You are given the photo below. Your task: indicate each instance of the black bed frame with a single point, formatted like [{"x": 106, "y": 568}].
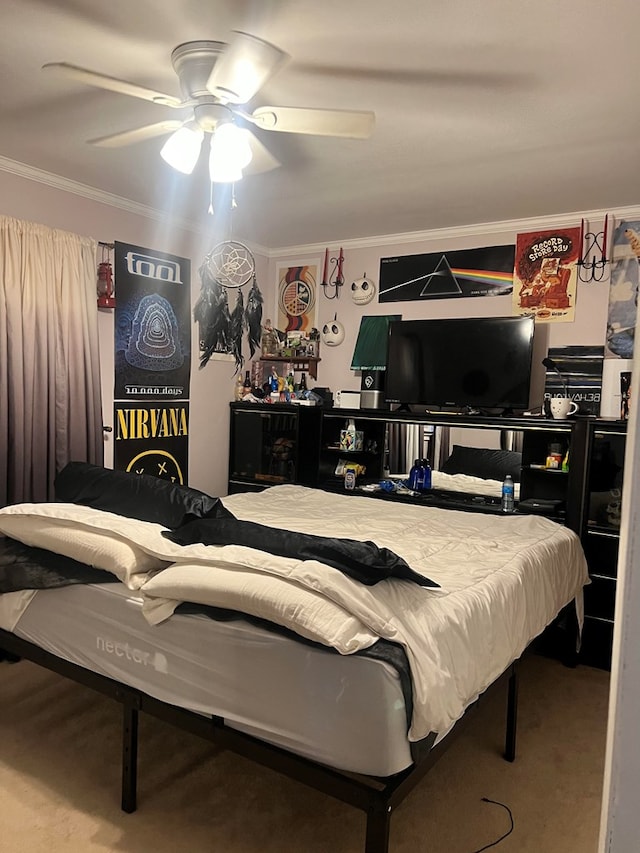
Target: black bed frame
[{"x": 376, "y": 796}]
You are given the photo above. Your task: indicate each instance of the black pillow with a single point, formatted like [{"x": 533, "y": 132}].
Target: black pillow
[
  {"x": 482, "y": 462},
  {"x": 139, "y": 496},
  {"x": 362, "y": 561}
]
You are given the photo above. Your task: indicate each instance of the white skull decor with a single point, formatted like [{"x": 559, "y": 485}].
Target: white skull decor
[
  {"x": 333, "y": 333},
  {"x": 363, "y": 290}
]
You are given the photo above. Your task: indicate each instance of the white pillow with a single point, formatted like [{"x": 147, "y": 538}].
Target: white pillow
[
  {"x": 270, "y": 597},
  {"x": 99, "y": 548}
]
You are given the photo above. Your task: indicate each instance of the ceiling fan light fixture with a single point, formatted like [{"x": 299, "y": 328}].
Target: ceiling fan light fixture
[
  {"x": 182, "y": 148},
  {"x": 230, "y": 153},
  {"x": 243, "y": 68}
]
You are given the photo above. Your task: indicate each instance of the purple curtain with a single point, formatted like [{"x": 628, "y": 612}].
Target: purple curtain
[{"x": 50, "y": 407}]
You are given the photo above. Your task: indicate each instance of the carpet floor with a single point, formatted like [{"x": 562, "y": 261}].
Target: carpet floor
[{"x": 60, "y": 778}]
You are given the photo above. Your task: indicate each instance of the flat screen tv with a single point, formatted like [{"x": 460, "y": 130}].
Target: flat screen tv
[{"x": 460, "y": 364}]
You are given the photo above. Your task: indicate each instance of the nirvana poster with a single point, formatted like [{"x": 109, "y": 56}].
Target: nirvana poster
[
  {"x": 152, "y": 438},
  {"x": 465, "y": 272},
  {"x": 152, "y": 362},
  {"x": 152, "y": 324},
  {"x": 545, "y": 275}
]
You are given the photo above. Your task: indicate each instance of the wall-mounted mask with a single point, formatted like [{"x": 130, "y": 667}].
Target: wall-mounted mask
[
  {"x": 363, "y": 290},
  {"x": 333, "y": 333}
]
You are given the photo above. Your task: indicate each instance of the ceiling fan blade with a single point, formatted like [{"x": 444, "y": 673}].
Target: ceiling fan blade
[
  {"x": 262, "y": 160},
  {"x": 352, "y": 124},
  {"x": 243, "y": 68},
  {"x": 139, "y": 134},
  {"x": 112, "y": 84}
]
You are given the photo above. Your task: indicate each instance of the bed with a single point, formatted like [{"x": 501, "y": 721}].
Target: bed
[{"x": 339, "y": 639}]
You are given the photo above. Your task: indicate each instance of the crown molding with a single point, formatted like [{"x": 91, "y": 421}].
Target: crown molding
[
  {"x": 509, "y": 226},
  {"x": 58, "y": 182}
]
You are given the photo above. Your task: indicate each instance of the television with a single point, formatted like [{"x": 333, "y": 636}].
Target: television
[{"x": 460, "y": 364}]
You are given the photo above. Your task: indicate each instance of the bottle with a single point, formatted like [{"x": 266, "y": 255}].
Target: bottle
[
  {"x": 238, "y": 392},
  {"x": 247, "y": 388},
  {"x": 426, "y": 484},
  {"x": 303, "y": 383},
  {"x": 269, "y": 340},
  {"x": 416, "y": 476},
  {"x": 508, "y": 500}
]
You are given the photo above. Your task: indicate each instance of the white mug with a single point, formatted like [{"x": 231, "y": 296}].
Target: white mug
[{"x": 562, "y": 407}]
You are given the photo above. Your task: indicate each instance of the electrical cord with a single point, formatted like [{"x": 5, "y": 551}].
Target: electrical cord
[{"x": 502, "y": 837}]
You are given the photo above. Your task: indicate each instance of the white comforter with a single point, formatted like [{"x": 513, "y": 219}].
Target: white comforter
[{"x": 503, "y": 580}]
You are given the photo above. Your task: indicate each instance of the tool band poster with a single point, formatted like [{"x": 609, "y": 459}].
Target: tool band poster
[
  {"x": 545, "y": 275},
  {"x": 464, "y": 272},
  {"x": 152, "y": 324},
  {"x": 152, "y": 331}
]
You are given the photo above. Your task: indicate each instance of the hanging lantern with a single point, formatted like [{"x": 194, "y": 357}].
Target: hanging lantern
[{"x": 106, "y": 299}]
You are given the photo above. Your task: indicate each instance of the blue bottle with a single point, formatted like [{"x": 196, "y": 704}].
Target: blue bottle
[
  {"x": 416, "y": 476},
  {"x": 426, "y": 483}
]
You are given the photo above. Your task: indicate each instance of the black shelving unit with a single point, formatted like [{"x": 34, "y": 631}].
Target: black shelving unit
[
  {"x": 605, "y": 445},
  {"x": 271, "y": 444}
]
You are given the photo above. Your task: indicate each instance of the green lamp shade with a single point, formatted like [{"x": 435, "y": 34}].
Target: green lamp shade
[{"x": 370, "y": 352}]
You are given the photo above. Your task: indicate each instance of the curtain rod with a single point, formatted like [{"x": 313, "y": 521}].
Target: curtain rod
[{"x": 106, "y": 245}]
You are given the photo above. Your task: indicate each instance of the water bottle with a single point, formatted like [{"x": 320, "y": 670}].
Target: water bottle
[
  {"x": 508, "y": 501},
  {"x": 426, "y": 484},
  {"x": 416, "y": 476}
]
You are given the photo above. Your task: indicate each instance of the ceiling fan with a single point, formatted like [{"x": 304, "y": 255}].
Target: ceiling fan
[{"x": 217, "y": 80}]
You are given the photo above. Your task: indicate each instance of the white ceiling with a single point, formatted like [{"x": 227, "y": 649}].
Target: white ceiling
[{"x": 485, "y": 111}]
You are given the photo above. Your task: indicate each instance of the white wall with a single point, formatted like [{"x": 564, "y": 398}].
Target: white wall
[
  {"x": 334, "y": 371},
  {"x": 51, "y": 203},
  {"x": 211, "y": 387}
]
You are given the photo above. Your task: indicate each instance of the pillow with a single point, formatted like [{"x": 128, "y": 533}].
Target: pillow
[
  {"x": 482, "y": 462},
  {"x": 98, "y": 548},
  {"x": 139, "y": 496},
  {"x": 363, "y": 561}
]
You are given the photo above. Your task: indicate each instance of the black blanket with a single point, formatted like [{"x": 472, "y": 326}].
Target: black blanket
[
  {"x": 362, "y": 561},
  {"x": 25, "y": 567}
]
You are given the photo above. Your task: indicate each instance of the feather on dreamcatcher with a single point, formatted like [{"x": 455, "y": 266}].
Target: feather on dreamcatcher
[{"x": 228, "y": 265}]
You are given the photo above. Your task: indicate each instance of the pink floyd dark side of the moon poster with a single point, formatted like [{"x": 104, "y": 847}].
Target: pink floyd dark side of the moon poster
[{"x": 447, "y": 275}]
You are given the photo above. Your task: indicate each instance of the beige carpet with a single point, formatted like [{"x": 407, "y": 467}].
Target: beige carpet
[{"x": 60, "y": 778}]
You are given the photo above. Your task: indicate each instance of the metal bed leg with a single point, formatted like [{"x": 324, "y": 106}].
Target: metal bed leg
[
  {"x": 378, "y": 827},
  {"x": 129, "y": 757},
  {"x": 512, "y": 716}
]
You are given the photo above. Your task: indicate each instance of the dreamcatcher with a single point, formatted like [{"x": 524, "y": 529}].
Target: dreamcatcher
[{"x": 229, "y": 265}]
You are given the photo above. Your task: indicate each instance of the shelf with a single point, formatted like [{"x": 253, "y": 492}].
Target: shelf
[
  {"x": 308, "y": 365},
  {"x": 610, "y": 530}
]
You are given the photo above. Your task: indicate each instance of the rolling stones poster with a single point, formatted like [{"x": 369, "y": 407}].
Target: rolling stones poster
[
  {"x": 545, "y": 275},
  {"x": 152, "y": 362},
  {"x": 464, "y": 272},
  {"x": 623, "y": 290}
]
